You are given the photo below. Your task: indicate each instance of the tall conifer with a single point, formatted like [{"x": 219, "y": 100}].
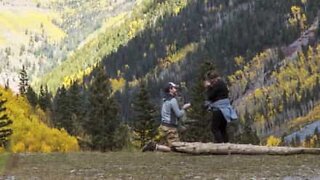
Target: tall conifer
[
  {"x": 61, "y": 110},
  {"x": 32, "y": 96},
  {"x": 5, "y": 131},
  {"x": 200, "y": 118},
  {"x": 144, "y": 120},
  {"x": 102, "y": 121},
  {"x": 45, "y": 98},
  {"x": 23, "y": 84}
]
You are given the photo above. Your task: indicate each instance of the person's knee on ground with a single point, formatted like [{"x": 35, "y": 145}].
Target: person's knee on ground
[{"x": 163, "y": 148}]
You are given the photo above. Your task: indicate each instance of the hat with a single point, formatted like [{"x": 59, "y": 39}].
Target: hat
[{"x": 169, "y": 86}]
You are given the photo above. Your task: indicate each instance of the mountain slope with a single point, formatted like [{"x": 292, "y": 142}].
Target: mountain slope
[
  {"x": 122, "y": 29},
  {"x": 41, "y": 34},
  {"x": 253, "y": 43},
  {"x": 272, "y": 91},
  {"x": 243, "y": 31}
]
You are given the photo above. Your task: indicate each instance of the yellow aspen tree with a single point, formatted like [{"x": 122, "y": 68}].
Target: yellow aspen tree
[
  {"x": 239, "y": 60},
  {"x": 298, "y": 18},
  {"x": 273, "y": 141}
]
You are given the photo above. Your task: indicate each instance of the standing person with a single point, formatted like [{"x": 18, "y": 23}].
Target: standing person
[
  {"x": 219, "y": 104},
  {"x": 170, "y": 115}
]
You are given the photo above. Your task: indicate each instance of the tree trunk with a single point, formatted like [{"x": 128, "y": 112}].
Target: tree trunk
[{"x": 227, "y": 148}]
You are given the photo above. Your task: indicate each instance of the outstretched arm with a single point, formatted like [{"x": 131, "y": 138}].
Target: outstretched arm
[{"x": 175, "y": 107}]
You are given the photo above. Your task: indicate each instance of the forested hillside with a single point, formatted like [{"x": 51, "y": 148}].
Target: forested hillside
[
  {"x": 40, "y": 35},
  {"x": 259, "y": 47},
  {"x": 203, "y": 31},
  {"x": 107, "y": 92},
  {"x": 119, "y": 32}
]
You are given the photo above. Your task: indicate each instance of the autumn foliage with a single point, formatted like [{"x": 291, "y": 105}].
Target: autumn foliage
[{"x": 30, "y": 133}]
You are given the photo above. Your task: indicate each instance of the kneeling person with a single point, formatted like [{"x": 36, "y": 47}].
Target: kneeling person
[{"x": 170, "y": 114}]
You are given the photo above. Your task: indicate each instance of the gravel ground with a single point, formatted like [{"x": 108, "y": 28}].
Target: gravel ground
[{"x": 156, "y": 165}]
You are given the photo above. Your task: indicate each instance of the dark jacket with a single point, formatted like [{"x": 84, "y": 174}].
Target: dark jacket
[
  {"x": 217, "y": 98},
  {"x": 217, "y": 91}
]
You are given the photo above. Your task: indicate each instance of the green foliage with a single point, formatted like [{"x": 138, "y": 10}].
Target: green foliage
[
  {"x": 45, "y": 98},
  {"x": 144, "y": 120},
  {"x": 107, "y": 43},
  {"x": 199, "y": 128},
  {"x": 23, "y": 84},
  {"x": 69, "y": 110},
  {"x": 61, "y": 117},
  {"x": 32, "y": 96},
  {"x": 5, "y": 129},
  {"x": 140, "y": 44},
  {"x": 248, "y": 134},
  {"x": 102, "y": 120},
  {"x": 122, "y": 138}
]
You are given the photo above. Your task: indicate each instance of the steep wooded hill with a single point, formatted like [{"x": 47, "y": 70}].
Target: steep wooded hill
[
  {"x": 203, "y": 31},
  {"x": 41, "y": 34},
  {"x": 121, "y": 29},
  {"x": 260, "y": 47}
]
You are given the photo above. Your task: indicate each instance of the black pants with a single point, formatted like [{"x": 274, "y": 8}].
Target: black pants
[{"x": 219, "y": 127}]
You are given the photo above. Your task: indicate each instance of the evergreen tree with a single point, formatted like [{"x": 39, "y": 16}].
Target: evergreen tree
[
  {"x": 77, "y": 108},
  {"x": 144, "y": 121},
  {"x": 297, "y": 140},
  {"x": 23, "y": 84},
  {"x": 5, "y": 131},
  {"x": 68, "y": 109},
  {"x": 248, "y": 136},
  {"x": 45, "y": 98},
  {"x": 61, "y": 111},
  {"x": 316, "y": 132},
  {"x": 102, "y": 120},
  {"x": 32, "y": 96},
  {"x": 122, "y": 137},
  {"x": 6, "y": 85},
  {"x": 200, "y": 119}
]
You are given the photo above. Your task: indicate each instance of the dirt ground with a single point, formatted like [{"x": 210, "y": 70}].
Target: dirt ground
[{"x": 156, "y": 165}]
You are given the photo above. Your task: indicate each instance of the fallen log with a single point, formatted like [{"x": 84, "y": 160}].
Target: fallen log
[{"x": 247, "y": 149}]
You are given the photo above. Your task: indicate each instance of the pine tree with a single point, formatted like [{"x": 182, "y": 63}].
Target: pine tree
[
  {"x": 23, "y": 84},
  {"x": 199, "y": 129},
  {"x": 69, "y": 109},
  {"x": 102, "y": 120},
  {"x": 297, "y": 140},
  {"x": 6, "y": 85},
  {"x": 248, "y": 136},
  {"x": 144, "y": 121},
  {"x": 77, "y": 108},
  {"x": 5, "y": 131},
  {"x": 122, "y": 137},
  {"x": 61, "y": 111},
  {"x": 45, "y": 98},
  {"x": 32, "y": 96}
]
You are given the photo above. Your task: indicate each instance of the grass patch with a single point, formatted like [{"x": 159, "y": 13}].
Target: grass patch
[
  {"x": 156, "y": 165},
  {"x": 4, "y": 156}
]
